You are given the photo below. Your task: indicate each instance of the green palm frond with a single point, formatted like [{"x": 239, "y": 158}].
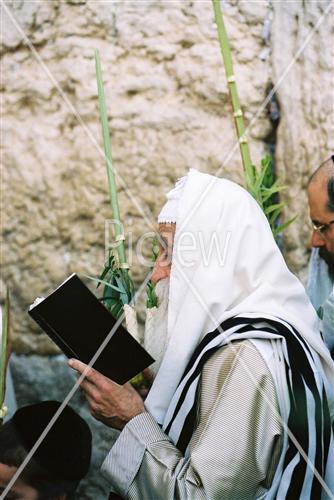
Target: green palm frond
[
  {"x": 118, "y": 289},
  {"x": 118, "y": 286},
  {"x": 266, "y": 192},
  {"x": 152, "y": 299},
  {"x": 259, "y": 182}
]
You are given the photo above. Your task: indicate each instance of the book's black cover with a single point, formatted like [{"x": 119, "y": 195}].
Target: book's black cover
[{"x": 78, "y": 323}]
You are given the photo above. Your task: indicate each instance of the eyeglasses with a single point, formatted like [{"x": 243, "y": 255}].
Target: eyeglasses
[{"x": 322, "y": 228}]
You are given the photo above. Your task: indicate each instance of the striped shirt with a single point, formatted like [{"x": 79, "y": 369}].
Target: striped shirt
[{"x": 233, "y": 451}]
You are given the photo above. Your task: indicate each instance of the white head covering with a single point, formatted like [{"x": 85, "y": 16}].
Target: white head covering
[
  {"x": 319, "y": 283},
  {"x": 170, "y": 210},
  {"x": 245, "y": 274},
  {"x": 320, "y": 289}
]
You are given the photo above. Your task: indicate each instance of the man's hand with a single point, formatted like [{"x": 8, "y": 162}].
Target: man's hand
[{"x": 112, "y": 404}]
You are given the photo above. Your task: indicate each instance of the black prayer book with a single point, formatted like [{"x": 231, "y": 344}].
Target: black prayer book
[{"x": 74, "y": 318}]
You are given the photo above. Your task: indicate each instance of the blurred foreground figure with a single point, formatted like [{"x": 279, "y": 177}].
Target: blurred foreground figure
[
  {"x": 242, "y": 400},
  {"x": 321, "y": 270},
  {"x": 60, "y": 462}
]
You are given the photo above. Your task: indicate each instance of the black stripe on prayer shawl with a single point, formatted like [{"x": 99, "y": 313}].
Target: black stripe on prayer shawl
[
  {"x": 326, "y": 434},
  {"x": 226, "y": 325},
  {"x": 301, "y": 376},
  {"x": 204, "y": 342},
  {"x": 252, "y": 321},
  {"x": 197, "y": 352},
  {"x": 298, "y": 419},
  {"x": 187, "y": 430},
  {"x": 189, "y": 422},
  {"x": 206, "y": 356},
  {"x": 327, "y": 424},
  {"x": 230, "y": 323},
  {"x": 298, "y": 423},
  {"x": 319, "y": 455}
]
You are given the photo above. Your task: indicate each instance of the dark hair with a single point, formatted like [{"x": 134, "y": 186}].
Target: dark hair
[
  {"x": 330, "y": 191},
  {"x": 63, "y": 456},
  {"x": 12, "y": 453}
]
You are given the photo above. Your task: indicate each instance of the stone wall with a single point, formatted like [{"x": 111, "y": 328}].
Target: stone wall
[
  {"x": 168, "y": 110},
  {"x": 302, "y": 36}
]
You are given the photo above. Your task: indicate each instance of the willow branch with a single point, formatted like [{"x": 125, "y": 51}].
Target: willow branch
[
  {"x": 4, "y": 342},
  {"x": 232, "y": 86},
  {"x": 111, "y": 174}
]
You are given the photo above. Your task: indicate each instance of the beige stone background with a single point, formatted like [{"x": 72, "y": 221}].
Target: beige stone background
[{"x": 168, "y": 110}]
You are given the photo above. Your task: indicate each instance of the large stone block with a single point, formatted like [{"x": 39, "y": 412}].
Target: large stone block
[{"x": 168, "y": 110}]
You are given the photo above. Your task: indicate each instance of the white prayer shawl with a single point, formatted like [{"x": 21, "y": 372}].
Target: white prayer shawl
[
  {"x": 320, "y": 289},
  {"x": 245, "y": 276},
  {"x": 319, "y": 283},
  {"x": 308, "y": 444}
]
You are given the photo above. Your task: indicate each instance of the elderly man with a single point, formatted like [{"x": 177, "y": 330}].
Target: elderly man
[
  {"x": 321, "y": 271},
  {"x": 241, "y": 404}
]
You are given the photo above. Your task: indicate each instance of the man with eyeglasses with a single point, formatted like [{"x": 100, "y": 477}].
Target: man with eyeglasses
[{"x": 320, "y": 286}]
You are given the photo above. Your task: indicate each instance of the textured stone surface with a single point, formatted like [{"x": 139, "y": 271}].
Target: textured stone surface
[
  {"x": 302, "y": 35},
  {"x": 168, "y": 110}
]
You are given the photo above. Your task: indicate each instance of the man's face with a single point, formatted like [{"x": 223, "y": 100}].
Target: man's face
[
  {"x": 156, "y": 326},
  {"x": 163, "y": 263},
  {"x": 20, "y": 490},
  {"x": 319, "y": 213}
]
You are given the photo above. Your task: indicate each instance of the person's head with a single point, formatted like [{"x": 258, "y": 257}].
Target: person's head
[
  {"x": 156, "y": 328},
  {"x": 225, "y": 264},
  {"x": 60, "y": 462},
  {"x": 156, "y": 337},
  {"x": 320, "y": 192}
]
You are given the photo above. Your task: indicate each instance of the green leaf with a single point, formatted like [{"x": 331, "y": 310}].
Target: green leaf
[
  {"x": 120, "y": 285},
  {"x": 282, "y": 227},
  {"x": 103, "y": 282},
  {"x": 124, "y": 298},
  {"x": 111, "y": 274},
  {"x": 117, "y": 309},
  {"x": 152, "y": 299},
  {"x": 260, "y": 176},
  {"x": 273, "y": 218},
  {"x": 275, "y": 206},
  {"x": 103, "y": 274}
]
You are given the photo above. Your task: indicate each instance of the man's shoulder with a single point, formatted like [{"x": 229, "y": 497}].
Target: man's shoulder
[
  {"x": 243, "y": 349},
  {"x": 238, "y": 372},
  {"x": 239, "y": 359}
]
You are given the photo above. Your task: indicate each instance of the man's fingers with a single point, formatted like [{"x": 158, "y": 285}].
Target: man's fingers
[
  {"x": 88, "y": 388},
  {"x": 91, "y": 374},
  {"x": 84, "y": 369}
]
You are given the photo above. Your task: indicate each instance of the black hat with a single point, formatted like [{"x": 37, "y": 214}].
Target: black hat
[{"x": 65, "y": 451}]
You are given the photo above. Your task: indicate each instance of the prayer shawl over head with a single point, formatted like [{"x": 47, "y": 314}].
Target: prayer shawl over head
[
  {"x": 320, "y": 289},
  {"x": 227, "y": 270}
]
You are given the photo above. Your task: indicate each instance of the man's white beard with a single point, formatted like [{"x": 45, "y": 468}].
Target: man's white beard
[{"x": 156, "y": 326}]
